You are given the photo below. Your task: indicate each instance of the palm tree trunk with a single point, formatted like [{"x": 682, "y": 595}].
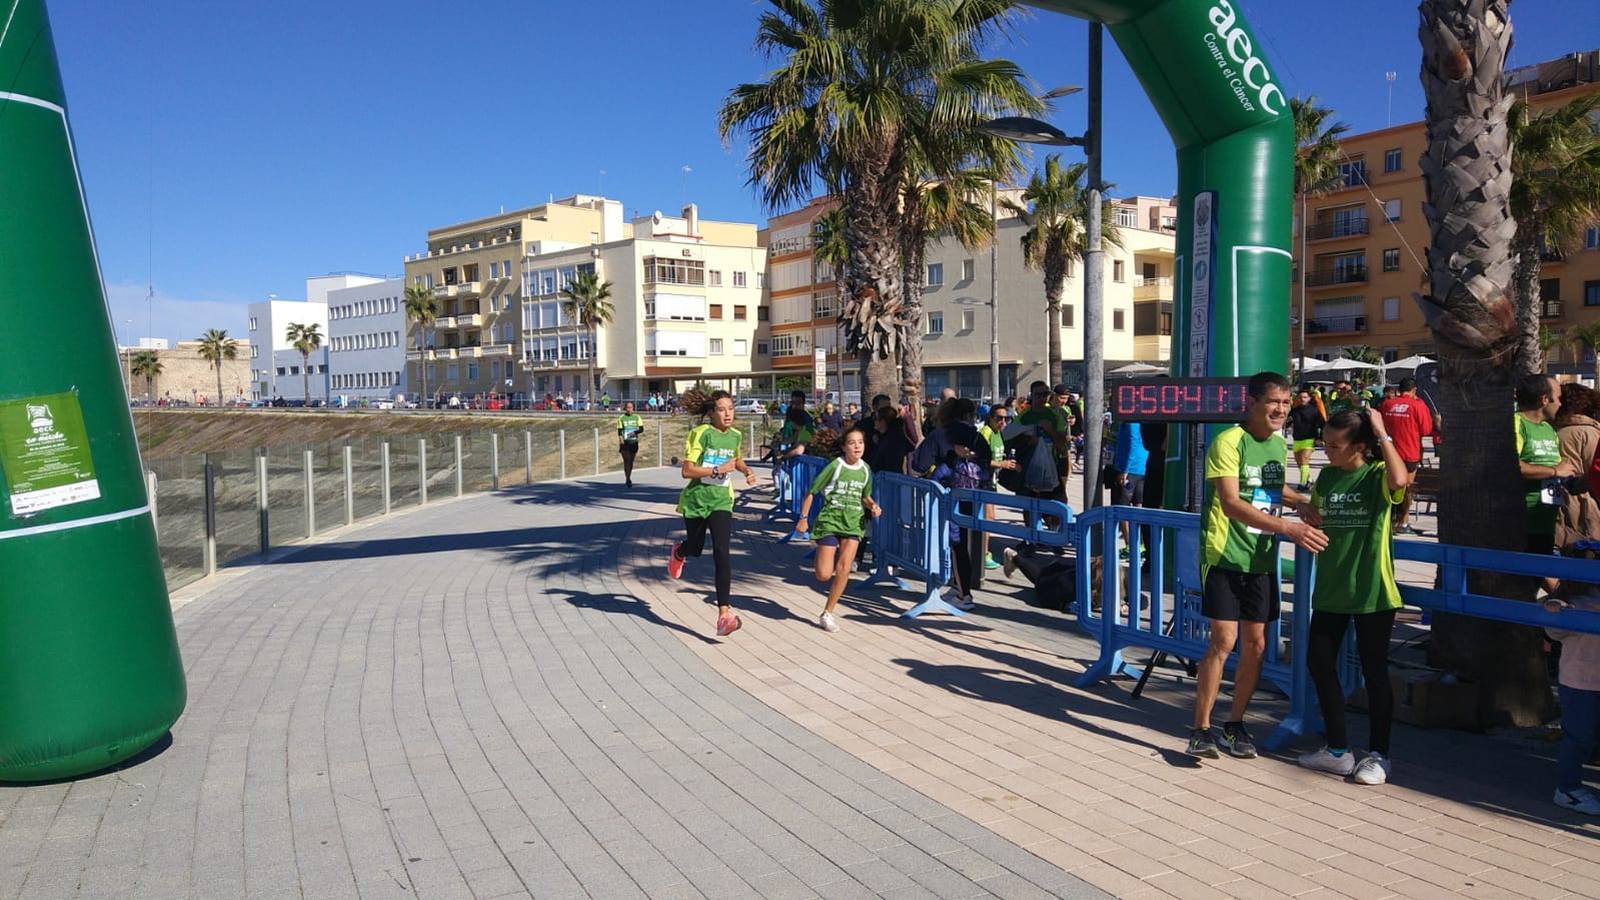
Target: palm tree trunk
[
  {"x": 1530, "y": 356},
  {"x": 873, "y": 313},
  {"x": 305, "y": 375},
  {"x": 1473, "y": 318},
  {"x": 219, "y": 382},
  {"x": 912, "y": 256},
  {"x": 1055, "y": 276},
  {"x": 594, "y": 389}
]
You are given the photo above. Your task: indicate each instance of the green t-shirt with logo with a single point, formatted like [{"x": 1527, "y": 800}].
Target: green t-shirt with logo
[
  {"x": 1340, "y": 403},
  {"x": 630, "y": 426},
  {"x": 1259, "y": 466},
  {"x": 706, "y": 446},
  {"x": 842, "y": 488},
  {"x": 1355, "y": 574},
  {"x": 1052, "y": 416},
  {"x": 1537, "y": 445},
  {"x": 997, "y": 442}
]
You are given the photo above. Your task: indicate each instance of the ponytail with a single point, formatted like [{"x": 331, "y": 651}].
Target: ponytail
[{"x": 700, "y": 404}]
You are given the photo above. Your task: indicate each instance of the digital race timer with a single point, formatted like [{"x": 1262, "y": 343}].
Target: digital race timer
[{"x": 1180, "y": 399}]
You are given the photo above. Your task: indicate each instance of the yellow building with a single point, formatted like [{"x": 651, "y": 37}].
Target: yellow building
[
  {"x": 805, "y": 299},
  {"x": 1366, "y": 241}
]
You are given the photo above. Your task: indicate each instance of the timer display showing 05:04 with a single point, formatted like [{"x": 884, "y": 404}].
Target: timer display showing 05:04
[{"x": 1180, "y": 399}]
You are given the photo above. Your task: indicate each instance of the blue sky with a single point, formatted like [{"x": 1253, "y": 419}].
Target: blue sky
[{"x": 231, "y": 149}]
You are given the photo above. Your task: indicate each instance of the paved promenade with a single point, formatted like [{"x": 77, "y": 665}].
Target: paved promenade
[{"x": 503, "y": 696}]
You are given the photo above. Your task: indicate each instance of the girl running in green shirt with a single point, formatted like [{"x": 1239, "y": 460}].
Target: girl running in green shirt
[
  {"x": 629, "y": 427},
  {"x": 711, "y": 455},
  {"x": 1355, "y": 585},
  {"x": 846, "y": 490}
]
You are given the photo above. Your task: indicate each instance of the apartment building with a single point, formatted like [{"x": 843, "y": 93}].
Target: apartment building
[
  {"x": 805, "y": 299},
  {"x": 1365, "y": 242},
  {"x": 476, "y": 270},
  {"x": 367, "y": 339},
  {"x": 1137, "y": 317},
  {"x": 276, "y": 368}
]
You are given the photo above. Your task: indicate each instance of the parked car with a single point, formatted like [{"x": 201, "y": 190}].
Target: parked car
[{"x": 750, "y": 406}]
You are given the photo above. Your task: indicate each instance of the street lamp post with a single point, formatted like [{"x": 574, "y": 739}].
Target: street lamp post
[
  {"x": 1093, "y": 287},
  {"x": 994, "y": 294}
]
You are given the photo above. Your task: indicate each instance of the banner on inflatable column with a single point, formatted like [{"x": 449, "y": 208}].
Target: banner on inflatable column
[{"x": 90, "y": 675}]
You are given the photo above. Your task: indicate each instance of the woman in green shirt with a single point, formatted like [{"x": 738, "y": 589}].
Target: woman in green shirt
[
  {"x": 629, "y": 427},
  {"x": 845, "y": 487},
  {"x": 711, "y": 454},
  {"x": 1355, "y": 585}
]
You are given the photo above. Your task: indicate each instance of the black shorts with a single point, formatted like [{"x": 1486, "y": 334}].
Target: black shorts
[
  {"x": 627, "y": 449},
  {"x": 1132, "y": 495},
  {"x": 1413, "y": 466},
  {"x": 1231, "y": 596}
]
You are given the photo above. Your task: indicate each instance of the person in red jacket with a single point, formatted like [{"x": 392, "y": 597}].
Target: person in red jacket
[{"x": 1407, "y": 419}]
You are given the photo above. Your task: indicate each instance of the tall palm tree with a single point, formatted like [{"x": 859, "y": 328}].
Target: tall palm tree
[
  {"x": 1055, "y": 207},
  {"x": 855, "y": 81},
  {"x": 307, "y": 339},
  {"x": 1316, "y": 171},
  {"x": 1471, "y": 311},
  {"x": 215, "y": 348},
  {"x": 1586, "y": 335},
  {"x": 146, "y": 364},
  {"x": 587, "y": 301},
  {"x": 422, "y": 308},
  {"x": 1555, "y": 193}
]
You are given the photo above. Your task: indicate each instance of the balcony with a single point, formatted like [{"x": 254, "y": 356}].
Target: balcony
[
  {"x": 1336, "y": 275},
  {"x": 492, "y": 350},
  {"x": 444, "y": 323},
  {"x": 1337, "y": 228},
  {"x": 460, "y": 289},
  {"x": 1550, "y": 309},
  {"x": 473, "y": 320},
  {"x": 1552, "y": 255},
  {"x": 1336, "y": 324},
  {"x": 1152, "y": 288}
]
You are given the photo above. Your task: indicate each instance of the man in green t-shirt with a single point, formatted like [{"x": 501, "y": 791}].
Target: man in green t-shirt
[
  {"x": 1245, "y": 469},
  {"x": 1343, "y": 399},
  {"x": 1539, "y": 457},
  {"x": 629, "y": 427}
]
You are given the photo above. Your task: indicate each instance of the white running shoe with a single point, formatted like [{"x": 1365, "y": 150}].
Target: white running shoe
[
  {"x": 1373, "y": 769},
  {"x": 827, "y": 622},
  {"x": 1323, "y": 760},
  {"x": 1581, "y": 800},
  {"x": 1008, "y": 562},
  {"x": 965, "y": 603}
]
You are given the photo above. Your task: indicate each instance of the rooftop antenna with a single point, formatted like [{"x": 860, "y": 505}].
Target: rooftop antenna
[
  {"x": 686, "y": 170},
  {"x": 1389, "y": 77}
]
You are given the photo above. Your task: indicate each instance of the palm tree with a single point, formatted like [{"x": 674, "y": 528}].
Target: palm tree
[
  {"x": 857, "y": 80},
  {"x": 587, "y": 301},
  {"x": 1587, "y": 335},
  {"x": 422, "y": 308},
  {"x": 215, "y": 348},
  {"x": 1555, "y": 193},
  {"x": 146, "y": 364},
  {"x": 1055, "y": 206},
  {"x": 1316, "y": 171},
  {"x": 306, "y": 339},
  {"x": 1471, "y": 311}
]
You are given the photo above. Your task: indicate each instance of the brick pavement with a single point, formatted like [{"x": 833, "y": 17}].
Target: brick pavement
[{"x": 474, "y": 699}]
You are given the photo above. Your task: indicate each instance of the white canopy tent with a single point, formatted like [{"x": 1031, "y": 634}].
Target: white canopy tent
[
  {"x": 1138, "y": 368},
  {"x": 1410, "y": 363}
]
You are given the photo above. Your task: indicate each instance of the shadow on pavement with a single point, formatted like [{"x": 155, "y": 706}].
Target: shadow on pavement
[{"x": 625, "y": 605}]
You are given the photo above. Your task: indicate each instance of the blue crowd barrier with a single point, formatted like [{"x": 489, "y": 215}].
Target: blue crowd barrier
[
  {"x": 910, "y": 536},
  {"x": 1034, "y": 511},
  {"x": 799, "y": 473}
]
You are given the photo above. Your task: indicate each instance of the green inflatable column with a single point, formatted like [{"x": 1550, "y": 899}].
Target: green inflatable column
[
  {"x": 90, "y": 673},
  {"x": 1209, "y": 80}
]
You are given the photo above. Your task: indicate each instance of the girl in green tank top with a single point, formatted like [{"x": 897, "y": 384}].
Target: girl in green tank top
[
  {"x": 712, "y": 453},
  {"x": 845, "y": 487}
]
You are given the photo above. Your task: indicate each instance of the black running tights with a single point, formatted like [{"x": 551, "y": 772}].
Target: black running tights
[
  {"x": 720, "y": 524},
  {"x": 628, "y": 451},
  {"x": 1322, "y": 658}
]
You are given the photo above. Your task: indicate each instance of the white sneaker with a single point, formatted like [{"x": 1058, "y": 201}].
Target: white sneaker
[
  {"x": 827, "y": 622},
  {"x": 1323, "y": 760},
  {"x": 1008, "y": 562},
  {"x": 1373, "y": 769},
  {"x": 1581, "y": 800},
  {"x": 965, "y": 603}
]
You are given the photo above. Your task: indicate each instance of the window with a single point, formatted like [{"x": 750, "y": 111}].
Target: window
[
  {"x": 714, "y": 277},
  {"x": 741, "y": 347},
  {"x": 967, "y": 270},
  {"x": 1118, "y": 272},
  {"x": 716, "y": 346},
  {"x": 1066, "y": 316},
  {"x": 1391, "y": 309},
  {"x": 1127, "y": 217},
  {"x": 253, "y": 318},
  {"x": 1119, "y": 320},
  {"x": 738, "y": 279},
  {"x": 452, "y": 372},
  {"x": 935, "y": 274},
  {"x": 716, "y": 310},
  {"x": 1353, "y": 172},
  {"x": 935, "y": 323},
  {"x": 761, "y": 313},
  {"x": 494, "y": 269},
  {"x": 1591, "y": 293},
  {"x": 1391, "y": 210},
  {"x": 1390, "y": 354},
  {"x": 762, "y": 347},
  {"x": 666, "y": 270},
  {"x": 740, "y": 312},
  {"x": 823, "y": 305},
  {"x": 282, "y": 371},
  {"x": 761, "y": 279},
  {"x": 968, "y": 319},
  {"x": 1591, "y": 240},
  {"x": 782, "y": 345},
  {"x": 1391, "y": 259},
  {"x": 1391, "y": 160},
  {"x": 1071, "y": 267}
]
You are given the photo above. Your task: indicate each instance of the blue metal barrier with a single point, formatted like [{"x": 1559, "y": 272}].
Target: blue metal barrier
[
  {"x": 799, "y": 473},
  {"x": 1033, "y": 509},
  {"x": 910, "y": 537}
]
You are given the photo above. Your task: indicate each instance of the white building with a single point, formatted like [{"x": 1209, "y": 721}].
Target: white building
[
  {"x": 367, "y": 338},
  {"x": 275, "y": 366}
]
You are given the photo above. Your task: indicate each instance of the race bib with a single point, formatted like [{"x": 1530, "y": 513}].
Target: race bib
[
  {"x": 712, "y": 459},
  {"x": 630, "y": 433},
  {"x": 1266, "y": 501}
]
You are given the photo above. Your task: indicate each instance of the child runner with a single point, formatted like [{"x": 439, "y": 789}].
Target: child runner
[
  {"x": 1355, "y": 584},
  {"x": 629, "y": 427},
  {"x": 1305, "y": 424},
  {"x": 845, "y": 486},
  {"x": 710, "y": 456}
]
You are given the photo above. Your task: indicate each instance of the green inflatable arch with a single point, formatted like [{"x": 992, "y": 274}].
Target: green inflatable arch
[
  {"x": 1209, "y": 80},
  {"x": 89, "y": 672}
]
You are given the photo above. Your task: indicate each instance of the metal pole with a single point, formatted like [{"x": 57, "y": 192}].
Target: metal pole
[
  {"x": 150, "y": 491},
  {"x": 210, "y": 552},
  {"x": 261, "y": 502},
  {"x": 1304, "y": 225},
  {"x": 750, "y": 447},
  {"x": 422, "y": 471},
  {"x": 661, "y": 444},
  {"x": 458, "y": 466},
  {"x": 310, "y": 464},
  {"x": 383, "y": 451},
  {"x": 494, "y": 459},
  {"x": 527, "y": 453},
  {"x": 349, "y": 488},
  {"x": 597, "y": 451},
  {"x": 563, "y": 453},
  {"x": 994, "y": 295},
  {"x": 1094, "y": 350}
]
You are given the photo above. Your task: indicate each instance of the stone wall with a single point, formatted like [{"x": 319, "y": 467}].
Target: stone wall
[{"x": 185, "y": 376}]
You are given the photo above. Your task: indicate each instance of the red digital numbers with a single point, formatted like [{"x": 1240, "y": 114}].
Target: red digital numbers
[{"x": 1193, "y": 400}]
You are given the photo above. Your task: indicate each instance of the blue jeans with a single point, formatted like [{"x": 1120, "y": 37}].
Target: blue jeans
[{"x": 1580, "y": 734}]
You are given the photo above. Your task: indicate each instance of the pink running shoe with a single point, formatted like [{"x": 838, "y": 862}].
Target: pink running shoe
[
  {"x": 727, "y": 623},
  {"x": 675, "y": 562}
]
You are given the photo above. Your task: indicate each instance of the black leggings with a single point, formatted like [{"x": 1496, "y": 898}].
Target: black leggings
[
  {"x": 962, "y": 551},
  {"x": 1322, "y": 658},
  {"x": 628, "y": 451},
  {"x": 720, "y": 524}
]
